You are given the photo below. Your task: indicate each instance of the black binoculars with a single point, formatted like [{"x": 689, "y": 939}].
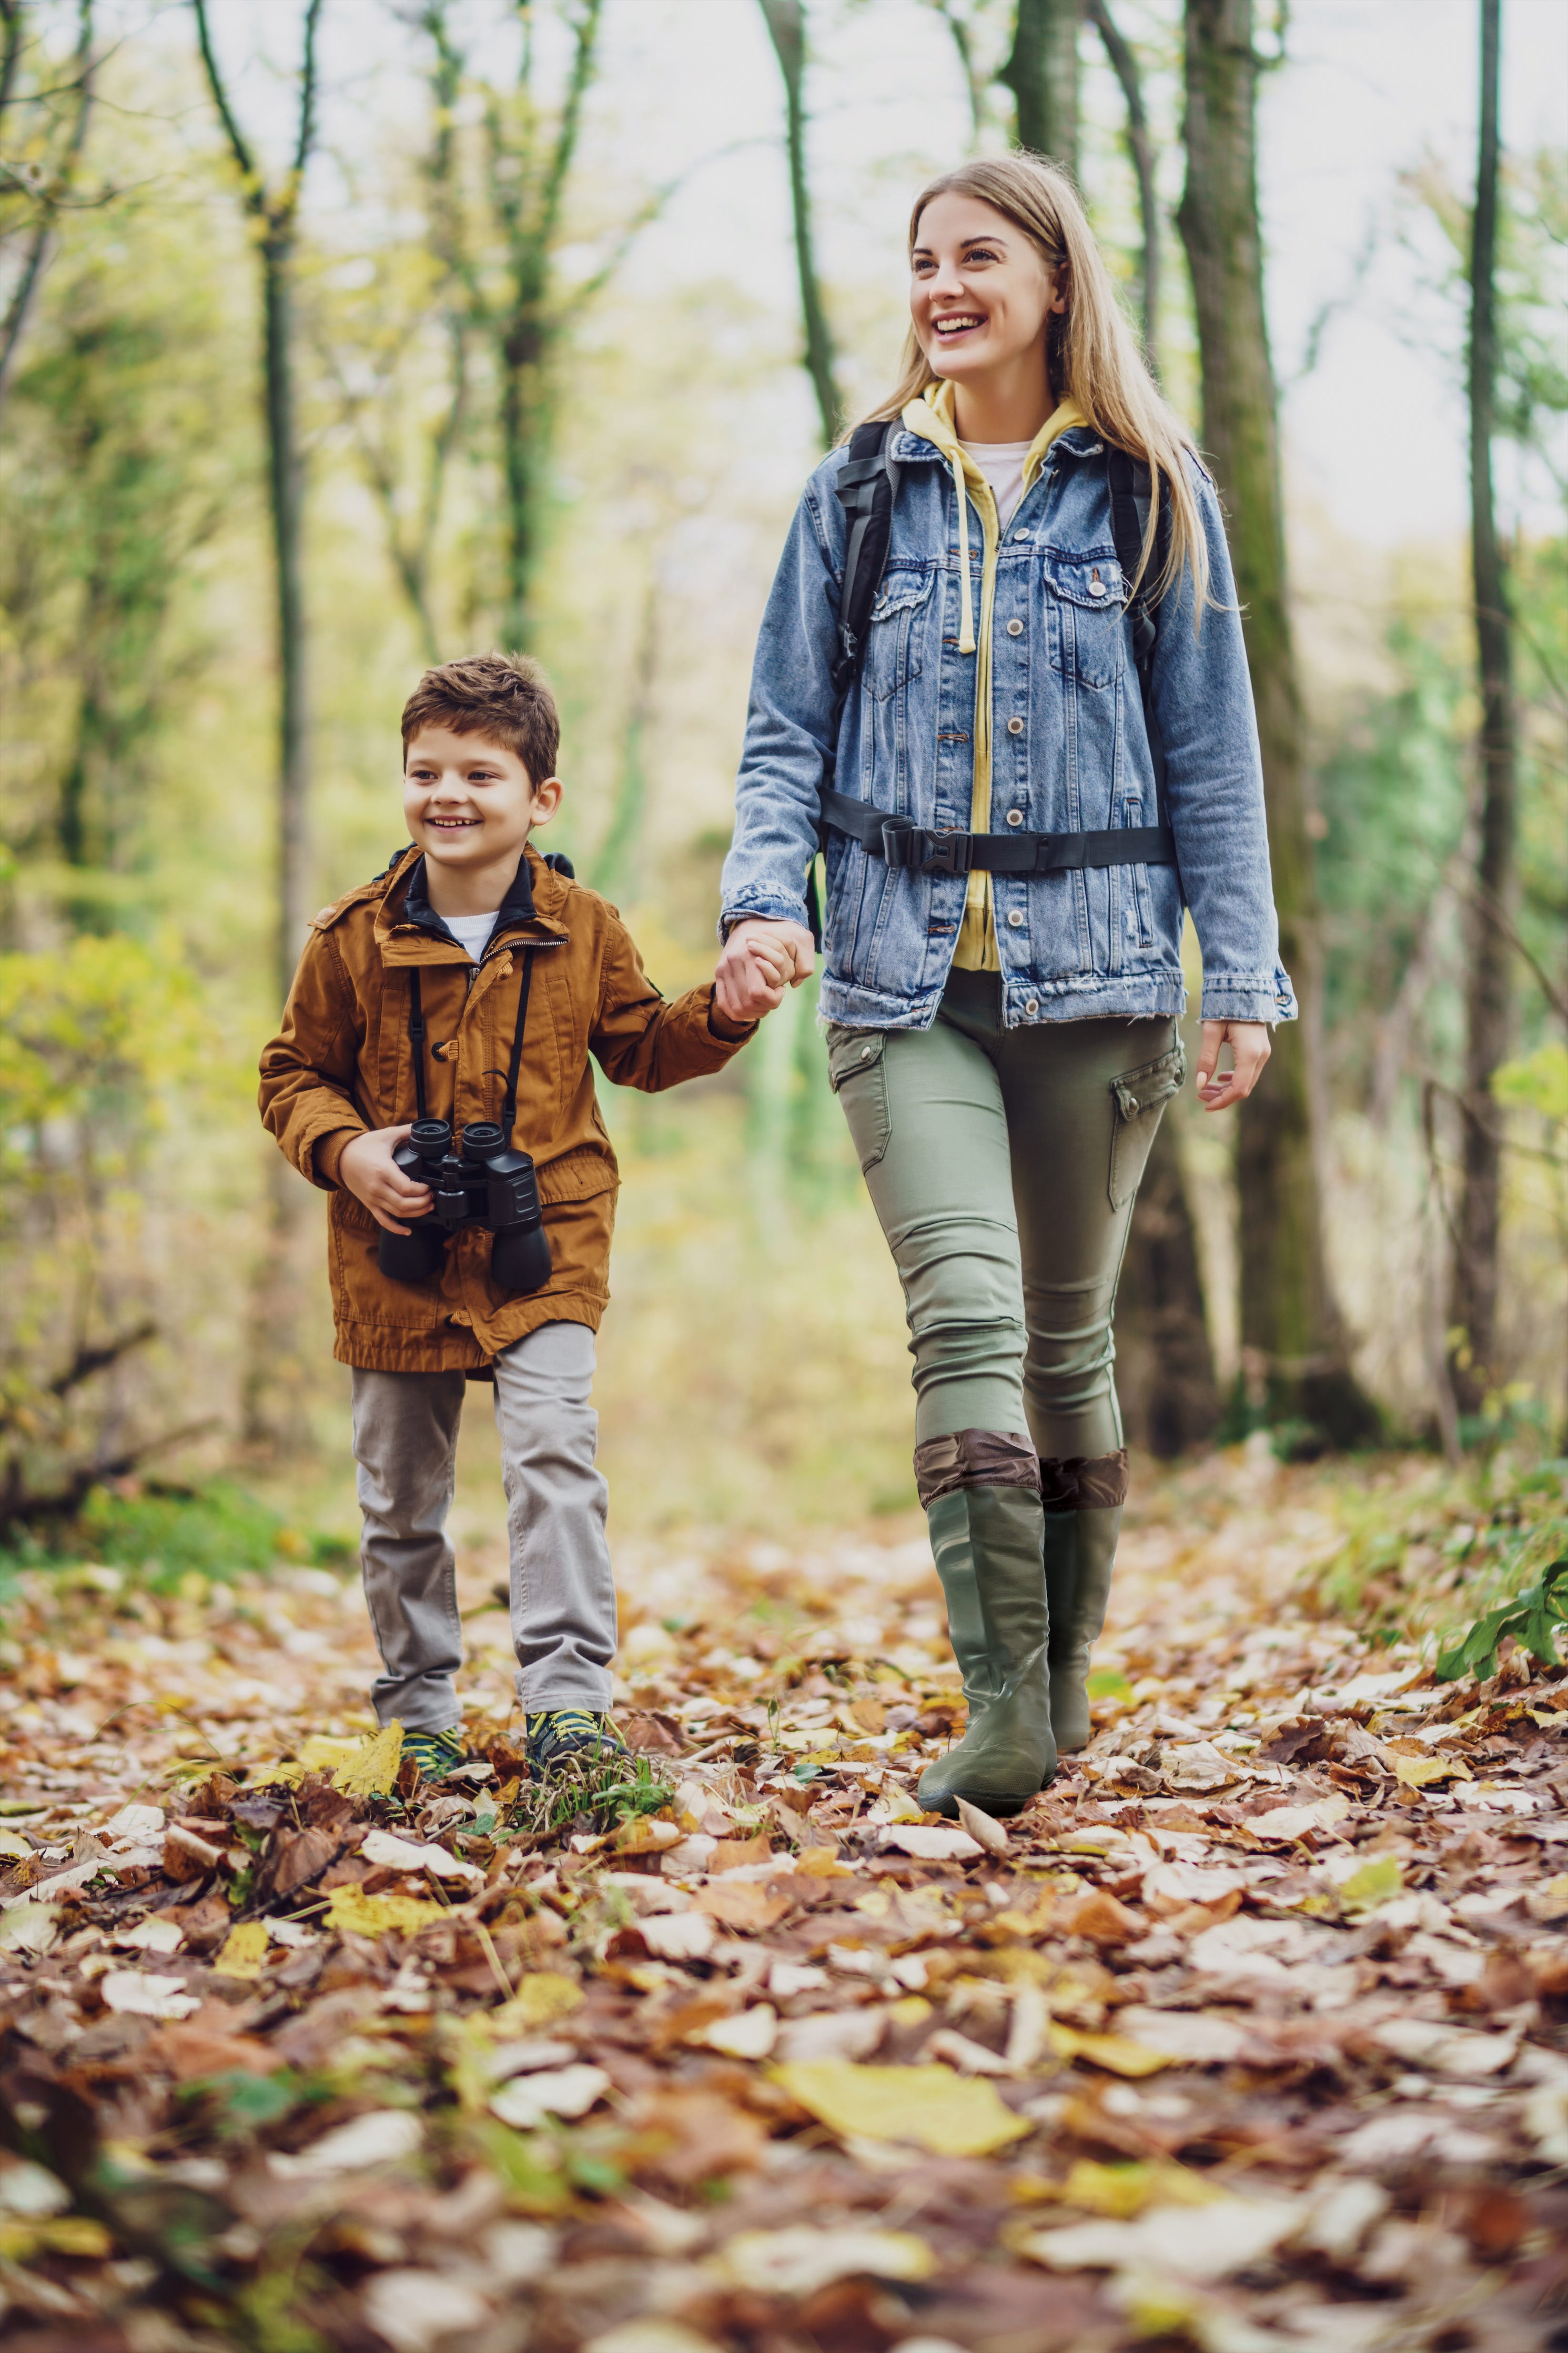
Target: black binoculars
[{"x": 485, "y": 1182}]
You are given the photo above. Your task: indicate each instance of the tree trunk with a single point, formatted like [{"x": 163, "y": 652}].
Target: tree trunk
[
  {"x": 1294, "y": 1348},
  {"x": 1165, "y": 1375},
  {"x": 1488, "y": 997},
  {"x": 42, "y": 243},
  {"x": 1042, "y": 74},
  {"x": 285, "y": 487},
  {"x": 786, "y": 28},
  {"x": 1140, "y": 149}
]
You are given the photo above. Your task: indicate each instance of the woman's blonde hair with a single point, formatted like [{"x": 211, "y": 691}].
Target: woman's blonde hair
[{"x": 1089, "y": 348}]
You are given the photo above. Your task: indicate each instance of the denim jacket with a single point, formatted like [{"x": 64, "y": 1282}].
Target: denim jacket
[{"x": 1069, "y": 754}]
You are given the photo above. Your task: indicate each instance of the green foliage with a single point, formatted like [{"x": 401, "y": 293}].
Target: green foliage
[
  {"x": 1532, "y": 1617},
  {"x": 606, "y": 1789},
  {"x": 92, "y": 1033},
  {"x": 215, "y": 1532}
]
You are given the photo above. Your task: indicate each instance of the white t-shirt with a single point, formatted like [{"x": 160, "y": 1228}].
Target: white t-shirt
[
  {"x": 1002, "y": 463},
  {"x": 472, "y": 932}
]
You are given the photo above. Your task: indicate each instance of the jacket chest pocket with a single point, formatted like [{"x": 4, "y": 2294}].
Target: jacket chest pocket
[
  {"x": 1137, "y": 1103},
  {"x": 895, "y": 634},
  {"x": 1086, "y": 596},
  {"x": 858, "y": 1078}
]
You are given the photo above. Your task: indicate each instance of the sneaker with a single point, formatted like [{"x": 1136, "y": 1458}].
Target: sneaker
[
  {"x": 557, "y": 1733},
  {"x": 436, "y": 1754}
]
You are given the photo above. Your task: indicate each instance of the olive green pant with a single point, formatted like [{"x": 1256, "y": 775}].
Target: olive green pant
[{"x": 1003, "y": 1165}]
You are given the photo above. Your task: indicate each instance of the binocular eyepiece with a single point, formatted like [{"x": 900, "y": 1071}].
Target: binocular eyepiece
[{"x": 484, "y": 1183}]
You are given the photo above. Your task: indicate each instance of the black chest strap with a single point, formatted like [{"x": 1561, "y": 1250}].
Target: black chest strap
[{"x": 514, "y": 1066}]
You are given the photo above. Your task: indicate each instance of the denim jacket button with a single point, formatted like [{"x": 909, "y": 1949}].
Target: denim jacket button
[
  {"x": 1015, "y": 817},
  {"x": 1015, "y": 628},
  {"x": 1015, "y": 727},
  {"x": 1015, "y": 921},
  {"x": 1031, "y": 1006}
]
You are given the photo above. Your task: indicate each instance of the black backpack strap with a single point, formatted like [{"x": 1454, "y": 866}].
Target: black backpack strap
[
  {"x": 867, "y": 483},
  {"x": 1127, "y": 531},
  {"x": 508, "y": 1101},
  {"x": 417, "y": 1039}
]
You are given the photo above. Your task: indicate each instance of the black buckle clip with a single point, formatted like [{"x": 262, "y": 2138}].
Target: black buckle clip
[{"x": 947, "y": 853}]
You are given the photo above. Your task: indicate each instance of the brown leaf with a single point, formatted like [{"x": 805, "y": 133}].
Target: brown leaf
[
  {"x": 732, "y": 1854},
  {"x": 296, "y": 1859},
  {"x": 697, "y": 2136},
  {"x": 1098, "y": 1917},
  {"x": 191, "y": 2049},
  {"x": 742, "y": 1903}
]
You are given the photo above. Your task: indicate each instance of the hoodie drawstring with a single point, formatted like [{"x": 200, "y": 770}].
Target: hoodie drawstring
[{"x": 966, "y": 620}]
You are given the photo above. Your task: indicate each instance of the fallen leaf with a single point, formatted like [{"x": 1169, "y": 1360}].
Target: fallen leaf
[
  {"x": 932, "y": 1843},
  {"x": 1549, "y": 1903},
  {"x": 371, "y": 1769},
  {"x": 678, "y": 1936},
  {"x": 1123, "y": 2192},
  {"x": 1299, "y": 1822},
  {"x": 11, "y": 1844},
  {"x": 406, "y": 1854},
  {"x": 1204, "y": 2243},
  {"x": 156, "y": 1934},
  {"x": 414, "y": 2310},
  {"x": 541, "y": 1998},
  {"x": 741, "y": 1904},
  {"x": 527, "y": 2099},
  {"x": 137, "y": 1995},
  {"x": 382, "y": 2137},
  {"x": 798, "y": 2262},
  {"x": 749, "y": 2034},
  {"x": 375, "y": 1916},
  {"x": 1116, "y": 2053},
  {"x": 981, "y": 1827},
  {"x": 244, "y": 1953},
  {"x": 1418, "y": 1768},
  {"x": 1198, "y": 1765},
  {"x": 930, "y": 2106},
  {"x": 1099, "y": 1917},
  {"x": 1373, "y": 1883},
  {"x": 1195, "y": 2037}
]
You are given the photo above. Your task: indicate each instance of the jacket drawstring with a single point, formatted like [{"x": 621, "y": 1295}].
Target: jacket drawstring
[{"x": 967, "y": 618}]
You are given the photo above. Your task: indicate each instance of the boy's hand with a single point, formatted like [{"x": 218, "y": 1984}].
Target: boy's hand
[
  {"x": 756, "y": 967},
  {"x": 367, "y": 1168}
]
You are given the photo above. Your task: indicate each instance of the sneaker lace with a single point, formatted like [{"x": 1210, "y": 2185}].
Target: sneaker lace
[{"x": 566, "y": 1723}]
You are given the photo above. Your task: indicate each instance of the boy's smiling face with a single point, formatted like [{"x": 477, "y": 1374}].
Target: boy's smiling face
[{"x": 470, "y": 805}]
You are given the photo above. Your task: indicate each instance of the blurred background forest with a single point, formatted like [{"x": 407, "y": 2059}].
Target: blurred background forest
[{"x": 344, "y": 335}]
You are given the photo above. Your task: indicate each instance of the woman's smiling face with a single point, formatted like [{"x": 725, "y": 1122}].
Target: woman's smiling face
[{"x": 979, "y": 293}]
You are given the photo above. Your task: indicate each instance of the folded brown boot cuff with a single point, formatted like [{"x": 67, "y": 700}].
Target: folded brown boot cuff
[
  {"x": 974, "y": 1458},
  {"x": 1084, "y": 1483}
]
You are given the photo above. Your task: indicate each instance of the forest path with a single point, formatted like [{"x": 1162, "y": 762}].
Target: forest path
[{"x": 1249, "y": 2034}]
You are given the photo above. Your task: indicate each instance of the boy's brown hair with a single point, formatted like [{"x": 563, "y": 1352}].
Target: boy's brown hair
[{"x": 501, "y": 697}]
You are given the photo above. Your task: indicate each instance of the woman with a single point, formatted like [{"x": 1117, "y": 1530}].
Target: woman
[{"x": 1002, "y": 1003}]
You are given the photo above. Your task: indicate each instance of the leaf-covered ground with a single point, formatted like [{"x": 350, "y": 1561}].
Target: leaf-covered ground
[{"x": 1251, "y": 2034}]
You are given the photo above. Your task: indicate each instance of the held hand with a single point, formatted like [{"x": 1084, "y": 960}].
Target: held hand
[
  {"x": 366, "y": 1166},
  {"x": 1250, "y": 1048},
  {"x": 759, "y": 959}
]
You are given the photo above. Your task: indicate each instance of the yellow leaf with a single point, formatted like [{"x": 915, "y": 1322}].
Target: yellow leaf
[
  {"x": 1115, "y": 2053},
  {"x": 360, "y": 1915},
  {"x": 11, "y": 1845},
  {"x": 1377, "y": 1881},
  {"x": 245, "y": 1951},
  {"x": 539, "y": 2000},
  {"x": 951, "y": 2114},
  {"x": 323, "y": 1750},
  {"x": 912, "y": 2010},
  {"x": 1415, "y": 1772},
  {"x": 76, "y": 2235},
  {"x": 273, "y": 1774},
  {"x": 1122, "y": 2191},
  {"x": 371, "y": 1769}
]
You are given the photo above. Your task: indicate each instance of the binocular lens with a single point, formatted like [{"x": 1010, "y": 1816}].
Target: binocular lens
[
  {"x": 480, "y": 1138},
  {"x": 431, "y": 1138}
]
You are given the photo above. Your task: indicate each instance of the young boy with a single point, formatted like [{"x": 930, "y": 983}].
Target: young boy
[{"x": 407, "y": 1002}]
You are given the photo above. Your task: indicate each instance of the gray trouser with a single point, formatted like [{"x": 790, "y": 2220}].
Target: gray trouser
[{"x": 563, "y": 1589}]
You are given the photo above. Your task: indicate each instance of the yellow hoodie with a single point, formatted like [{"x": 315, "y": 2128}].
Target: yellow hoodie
[{"x": 931, "y": 418}]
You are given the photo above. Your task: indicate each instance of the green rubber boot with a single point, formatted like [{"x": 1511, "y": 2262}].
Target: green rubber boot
[
  {"x": 987, "y": 1544},
  {"x": 1080, "y": 1554}
]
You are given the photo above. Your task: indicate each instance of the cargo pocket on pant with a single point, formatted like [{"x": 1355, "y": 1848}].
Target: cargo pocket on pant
[
  {"x": 858, "y": 1078},
  {"x": 1138, "y": 1100}
]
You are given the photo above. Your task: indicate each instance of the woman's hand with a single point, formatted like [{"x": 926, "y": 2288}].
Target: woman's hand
[
  {"x": 1249, "y": 1049},
  {"x": 761, "y": 958},
  {"x": 366, "y": 1166}
]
